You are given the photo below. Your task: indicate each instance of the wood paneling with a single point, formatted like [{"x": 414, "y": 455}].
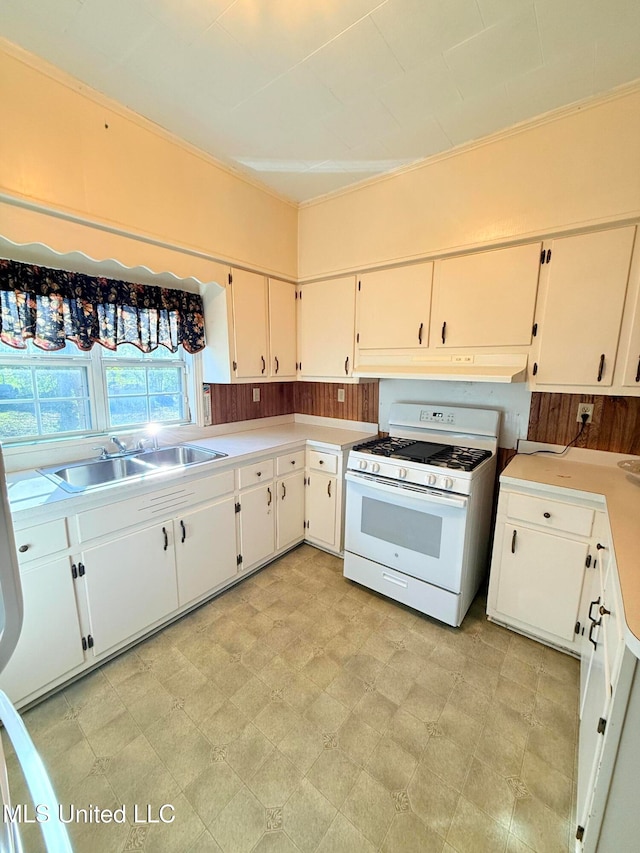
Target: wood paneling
[
  {"x": 231, "y": 403},
  {"x": 615, "y": 426},
  {"x": 321, "y": 399}
]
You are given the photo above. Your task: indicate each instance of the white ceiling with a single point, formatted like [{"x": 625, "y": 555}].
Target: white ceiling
[{"x": 309, "y": 96}]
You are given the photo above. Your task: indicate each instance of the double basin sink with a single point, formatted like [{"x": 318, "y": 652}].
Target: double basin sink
[{"x": 91, "y": 474}]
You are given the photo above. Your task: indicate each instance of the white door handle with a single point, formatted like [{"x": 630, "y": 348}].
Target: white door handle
[{"x": 396, "y": 581}]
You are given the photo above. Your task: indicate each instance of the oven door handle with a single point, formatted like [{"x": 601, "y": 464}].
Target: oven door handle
[{"x": 418, "y": 492}]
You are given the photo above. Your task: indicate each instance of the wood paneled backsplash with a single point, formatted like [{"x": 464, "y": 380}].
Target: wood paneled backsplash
[
  {"x": 231, "y": 403},
  {"x": 615, "y": 426}
]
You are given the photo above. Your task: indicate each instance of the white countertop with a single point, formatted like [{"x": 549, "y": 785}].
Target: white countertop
[
  {"x": 33, "y": 497},
  {"x": 621, "y": 493}
]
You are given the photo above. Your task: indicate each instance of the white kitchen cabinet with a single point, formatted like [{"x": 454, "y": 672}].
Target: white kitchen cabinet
[
  {"x": 321, "y": 509},
  {"x": 205, "y": 546},
  {"x": 282, "y": 329},
  {"x": 249, "y": 297},
  {"x": 50, "y": 644},
  {"x": 130, "y": 584},
  {"x": 486, "y": 299},
  {"x": 257, "y": 525},
  {"x": 327, "y": 321},
  {"x": 542, "y": 546},
  {"x": 579, "y": 322},
  {"x": 290, "y": 505},
  {"x": 394, "y": 307}
]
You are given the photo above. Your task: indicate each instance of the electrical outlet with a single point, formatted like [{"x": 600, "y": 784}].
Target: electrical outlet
[
  {"x": 585, "y": 409},
  {"x": 341, "y": 395},
  {"x": 256, "y": 395}
]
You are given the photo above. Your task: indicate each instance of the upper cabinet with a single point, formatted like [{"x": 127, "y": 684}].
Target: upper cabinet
[
  {"x": 327, "y": 321},
  {"x": 282, "y": 329},
  {"x": 579, "y": 325},
  {"x": 486, "y": 299},
  {"x": 393, "y": 308},
  {"x": 249, "y": 299}
]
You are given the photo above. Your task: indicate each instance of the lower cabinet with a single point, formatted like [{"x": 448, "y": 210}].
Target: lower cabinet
[
  {"x": 321, "y": 508},
  {"x": 257, "y": 525},
  {"x": 130, "y": 584},
  {"x": 205, "y": 546},
  {"x": 50, "y": 644},
  {"x": 290, "y": 510}
]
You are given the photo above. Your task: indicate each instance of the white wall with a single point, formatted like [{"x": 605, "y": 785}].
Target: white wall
[{"x": 512, "y": 400}]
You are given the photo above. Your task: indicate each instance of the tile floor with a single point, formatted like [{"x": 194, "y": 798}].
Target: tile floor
[{"x": 300, "y": 712}]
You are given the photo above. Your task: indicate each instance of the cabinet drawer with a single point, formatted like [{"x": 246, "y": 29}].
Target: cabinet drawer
[
  {"x": 249, "y": 475},
  {"x": 39, "y": 541},
  {"x": 551, "y": 514},
  {"x": 323, "y": 461},
  {"x": 290, "y": 462}
]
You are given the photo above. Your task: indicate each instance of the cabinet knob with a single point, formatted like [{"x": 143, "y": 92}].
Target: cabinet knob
[
  {"x": 547, "y": 515},
  {"x": 602, "y": 610},
  {"x": 23, "y": 548},
  {"x": 320, "y": 461},
  {"x": 258, "y": 473},
  {"x": 293, "y": 461}
]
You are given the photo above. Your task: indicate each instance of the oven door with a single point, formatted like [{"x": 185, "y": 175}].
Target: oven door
[{"x": 412, "y": 529}]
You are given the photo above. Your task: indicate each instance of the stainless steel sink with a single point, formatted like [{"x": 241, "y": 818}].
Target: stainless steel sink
[{"x": 94, "y": 473}]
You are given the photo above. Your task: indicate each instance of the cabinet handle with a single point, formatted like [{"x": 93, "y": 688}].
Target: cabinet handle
[
  {"x": 258, "y": 473},
  {"x": 601, "y": 368},
  {"x": 270, "y": 497},
  {"x": 23, "y": 548},
  {"x": 284, "y": 491},
  {"x": 593, "y": 625},
  {"x": 420, "y": 333},
  {"x": 602, "y": 610},
  {"x": 444, "y": 331},
  {"x": 184, "y": 530},
  {"x": 547, "y": 514},
  {"x": 264, "y": 364},
  {"x": 600, "y": 547},
  {"x": 277, "y": 363},
  {"x": 513, "y": 541},
  {"x": 591, "y": 606},
  {"x": 320, "y": 461},
  {"x": 293, "y": 461},
  {"x": 166, "y": 539},
  {"x": 329, "y": 488},
  {"x": 638, "y": 371},
  {"x": 346, "y": 365}
]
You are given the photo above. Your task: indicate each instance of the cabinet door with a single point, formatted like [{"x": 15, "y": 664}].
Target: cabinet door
[
  {"x": 394, "y": 307},
  {"x": 50, "y": 643},
  {"x": 327, "y": 319},
  {"x": 257, "y": 525},
  {"x": 290, "y": 510},
  {"x": 282, "y": 329},
  {"x": 131, "y": 583},
  {"x": 487, "y": 299},
  {"x": 541, "y": 580},
  {"x": 321, "y": 508},
  {"x": 249, "y": 294},
  {"x": 205, "y": 549},
  {"x": 580, "y": 325}
]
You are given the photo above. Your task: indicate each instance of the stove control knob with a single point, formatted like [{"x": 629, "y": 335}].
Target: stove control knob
[
  {"x": 363, "y": 464},
  {"x": 402, "y": 473},
  {"x": 375, "y": 467},
  {"x": 431, "y": 479},
  {"x": 447, "y": 482}
]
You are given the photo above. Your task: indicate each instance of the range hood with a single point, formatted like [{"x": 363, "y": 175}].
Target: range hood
[{"x": 460, "y": 367}]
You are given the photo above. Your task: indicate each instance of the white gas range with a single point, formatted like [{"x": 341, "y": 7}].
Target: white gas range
[{"x": 418, "y": 507}]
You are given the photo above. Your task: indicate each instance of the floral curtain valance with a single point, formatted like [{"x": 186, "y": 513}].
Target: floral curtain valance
[{"x": 54, "y": 306}]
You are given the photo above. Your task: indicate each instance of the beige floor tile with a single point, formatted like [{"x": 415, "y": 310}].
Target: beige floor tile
[
  {"x": 91, "y": 690},
  {"x": 423, "y": 703},
  {"x": 258, "y": 656},
  {"x": 562, "y": 691},
  {"x": 205, "y": 843},
  {"x": 276, "y": 673},
  {"x": 300, "y": 692},
  {"x": 137, "y": 775},
  {"x": 357, "y": 739},
  {"x": 460, "y": 727},
  {"x": 394, "y": 685},
  {"x": 70, "y": 768},
  {"x": 224, "y": 725},
  {"x": 490, "y": 791},
  {"x": 521, "y": 672},
  {"x": 365, "y": 666},
  {"x": 526, "y": 650},
  {"x": 555, "y": 749},
  {"x": 538, "y": 826},
  {"x": 321, "y": 669},
  {"x": 181, "y": 746},
  {"x": 432, "y": 800},
  {"x": 508, "y": 723},
  {"x": 252, "y": 697},
  {"x": 409, "y": 732},
  {"x": 210, "y": 792},
  {"x": 438, "y": 679},
  {"x": 275, "y": 842},
  {"x": 514, "y": 845},
  {"x": 448, "y": 658},
  {"x": 176, "y": 837},
  {"x": 201, "y": 703},
  {"x": 447, "y": 760},
  {"x": 561, "y": 666},
  {"x": 307, "y": 816},
  {"x": 334, "y": 775},
  {"x": 551, "y": 787},
  {"x": 407, "y": 834},
  {"x": 326, "y": 713},
  {"x": 370, "y": 808},
  {"x": 275, "y": 779},
  {"x": 347, "y": 688},
  {"x": 247, "y": 752},
  {"x": 276, "y": 720},
  {"x": 240, "y": 824},
  {"x": 302, "y": 744},
  {"x": 108, "y": 740},
  {"x": 505, "y": 756},
  {"x": 343, "y": 837},
  {"x": 515, "y": 696},
  {"x": 298, "y": 653},
  {"x": 562, "y": 719},
  {"x": 375, "y": 710},
  {"x": 474, "y": 703},
  {"x": 391, "y": 765},
  {"x": 484, "y": 679},
  {"x": 473, "y": 831}
]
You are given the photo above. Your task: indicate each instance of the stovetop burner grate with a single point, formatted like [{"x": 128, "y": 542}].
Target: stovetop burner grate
[{"x": 411, "y": 450}]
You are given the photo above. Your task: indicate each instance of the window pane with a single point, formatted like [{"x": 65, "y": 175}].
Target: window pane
[
  {"x": 128, "y": 410},
  {"x": 164, "y": 380},
  {"x": 129, "y": 351},
  {"x": 64, "y": 416},
  {"x": 70, "y": 350},
  {"x": 18, "y": 419},
  {"x": 126, "y": 380},
  {"x": 61, "y": 382},
  {"x": 166, "y": 407},
  {"x": 15, "y": 383}
]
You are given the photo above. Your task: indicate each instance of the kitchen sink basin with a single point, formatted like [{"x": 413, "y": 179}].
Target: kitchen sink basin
[{"x": 94, "y": 473}]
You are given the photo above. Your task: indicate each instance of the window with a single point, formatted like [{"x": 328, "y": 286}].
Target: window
[{"x": 67, "y": 392}]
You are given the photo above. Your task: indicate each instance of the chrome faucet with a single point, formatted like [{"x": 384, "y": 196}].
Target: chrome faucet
[{"x": 122, "y": 447}]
